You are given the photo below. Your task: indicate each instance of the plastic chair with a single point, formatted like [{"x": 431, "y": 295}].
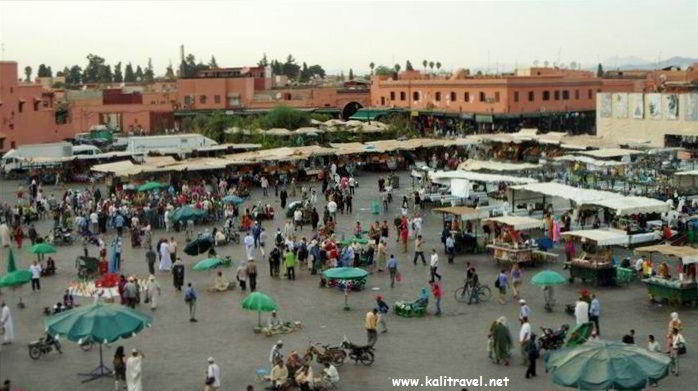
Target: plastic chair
[{"x": 261, "y": 373}]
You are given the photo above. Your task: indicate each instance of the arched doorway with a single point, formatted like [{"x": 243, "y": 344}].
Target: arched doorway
[{"x": 349, "y": 109}]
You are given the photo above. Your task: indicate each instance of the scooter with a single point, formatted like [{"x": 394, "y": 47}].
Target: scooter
[
  {"x": 359, "y": 353},
  {"x": 551, "y": 340},
  {"x": 43, "y": 345}
]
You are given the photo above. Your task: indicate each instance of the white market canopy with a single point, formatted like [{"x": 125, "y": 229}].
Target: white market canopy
[
  {"x": 589, "y": 160},
  {"x": 632, "y": 205},
  {"x": 489, "y": 165},
  {"x": 608, "y": 153},
  {"x": 465, "y": 212},
  {"x": 443, "y": 176},
  {"x": 516, "y": 222},
  {"x": 687, "y": 173},
  {"x": 574, "y": 194},
  {"x": 600, "y": 237},
  {"x": 122, "y": 168},
  {"x": 686, "y": 254}
]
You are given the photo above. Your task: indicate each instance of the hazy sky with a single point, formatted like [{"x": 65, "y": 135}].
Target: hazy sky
[{"x": 344, "y": 34}]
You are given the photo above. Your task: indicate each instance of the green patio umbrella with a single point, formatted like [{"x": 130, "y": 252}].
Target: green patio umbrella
[
  {"x": 150, "y": 186},
  {"x": 604, "y": 365},
  {"x": 15, "y": 278},
  {"x": 212, "y": 263},
  {"x": 99, "y": 323},
  {"x": 580, "y": 334},
  {"x": 347, "y": 242},
  {"x": 548, "y": 277},
  {"x": 345, "y": 273},
  {"x": 258, "y": 301},
  {"x": 187, "y": 213},
  {"x": 42, "y": 248}
]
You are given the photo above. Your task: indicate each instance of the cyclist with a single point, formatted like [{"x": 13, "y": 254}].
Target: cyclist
[{"x": 474, "y": 286}]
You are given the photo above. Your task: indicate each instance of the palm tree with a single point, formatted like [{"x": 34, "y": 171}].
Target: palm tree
[
  {"x": 431, "y": 65},
  {"x": 438, "y": 65},
  {"x": 397, "y": 68},
  {"x": 424, "y": 63},
  {"x": 371, "y": 65}
]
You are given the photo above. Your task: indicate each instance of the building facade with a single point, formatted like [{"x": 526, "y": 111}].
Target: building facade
[{"x": 662, "y": 119}]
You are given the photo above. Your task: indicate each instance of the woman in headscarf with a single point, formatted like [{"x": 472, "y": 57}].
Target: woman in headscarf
[
  {"x": 501, "y": 340},
  {"x": 152, "y": 291},
  {"x": 178, "y": 274},
  {"x": 674, "y": 323},
  {"x": 165, "y": 259}
]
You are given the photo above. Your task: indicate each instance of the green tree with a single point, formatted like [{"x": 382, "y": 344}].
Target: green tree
[
  {"x": 264, "y": 62},
  {"x": 438, "y": 66},
  {"x": 169, "y": 73},
  {"x": 285, "y": 117},
  {"x": 371, "y": 65},
  {"x": 397, "y": 68},
  {"x": 383, "y": 70},
  {"x": 104, "y": 75},
  {"x": 212, "y": 63},
  {"x": 74, "y": 75},
  {"x": 277, "y": 68},
  {"x": 431, "y": 65},
  {"x": 28, "y": 74},
  {"x": 599, "y": 70},
  {"x": 408, "y": 66},
  {"x": 129, "y": 75},
  {"x": 424, "y": 64},
  {"x": 290, "y": 68},
  {"x": 66, "y": 71},
  {"x": 351, "y": 74},
  {"x": 139, "y": 73},
  {"x": 316, "y": 70},
  {"x": 49, "y": 71},
  {"x": 341, "y": 76},
  {"x": 215, "y": 125},
  {"x": 94, "y": 67},
  {"x": 42, "y": 71},
  {"x": 149, "y": 74},
  {"x": 118, "y": 76}
]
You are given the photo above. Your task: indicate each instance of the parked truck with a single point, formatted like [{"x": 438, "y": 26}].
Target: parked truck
[
  {"x": 176, "y": 143},
  {"x": 18, "y": 161}
]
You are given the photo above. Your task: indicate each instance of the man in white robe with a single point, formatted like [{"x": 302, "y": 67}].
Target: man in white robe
[
  {"x": 133, "y": 371},
  {"x": 165, "y": 259},
  {"x": 7, "y": 324},
  {"x": 5, "y": 235}
]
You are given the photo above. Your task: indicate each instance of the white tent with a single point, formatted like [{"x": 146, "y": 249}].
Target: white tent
[
  {"x": 516, "y": 222},
  {"x": 632, "y": 205},
  {"x": 600, "y": 237},
  {"x": 489, "y": 165},
  {"x": 444, "y": 176}
]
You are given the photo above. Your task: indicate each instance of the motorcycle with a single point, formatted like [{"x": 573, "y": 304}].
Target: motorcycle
[
  {"x": 59, "y": 236},
  {"x": 359, "y": 353},
  {"x": 552, "y": 339},
  {"x": 332, "y": 354},
  {"x": 42, "y": 346}
]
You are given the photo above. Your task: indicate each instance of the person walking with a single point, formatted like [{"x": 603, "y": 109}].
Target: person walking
[
  {"x": 7, "y": 324},
  {"x": 501, "y": 340},
  {"x": 35, "y": 269},
  {"x": 190, "y": 299},
  {"x": 382, "y": 255},
  {"x": 450, "y": 248},
  {"x": 677, "y": 342},
  {"x": 418, "y": 251},
  {"x": 150, "y": 258},
  {"x": 213, "y": 376},
  {"x": 371, "y": 325},
  {"x": 178, "y": 274},
  {"x": 152, "y": 292},
  {"x": 581, "y": 311},
  {"x": 252, "y": 274},
  {"x": 383, "y": 310},
  {"x": 434, "y": 264},
  {"x": 501, "y": 283},
  {"x": 290, "y": 263},
  {"x": 117, "y": 246},
  {"x": 595, "y": 312},
  {"x": 119, "y": 364},
  {"x": 249, "y": 245},
  {"x": 265, "y": 185},
  {"x": 516, "y": 279},
  {"x": 437, "y": 292},
  {"x": 241, "y": 276},
  {"x": 134, "y": 379},
  {"x": 533, "y": 355},
  {"x": 674, "y": 323},
  {"x": 392, "y": 269},
  {"x": 525, "y": 338}
]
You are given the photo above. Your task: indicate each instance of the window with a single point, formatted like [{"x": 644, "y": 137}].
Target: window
[
  {"x": 589, "y": 94},
  {"x": 392, "y": 95},
  {"x": 202, "y": 99},
  {"x": 466, "y": 97},
  {"x": 233, "y": 99},
  {"x": 516, "y": 96},
  {"x": 36, "y": 105},
  {"x": 453, "y": 96},
  {"x": 382, "y": 101},
  {"x": 403, "y": 95},
  {"x": 557, "y": 95},
  {"x": 482, "y": 96},
  {"x": 415, "y": 95},
  {"x": 531, "y": 96},
  {"x": 216, "y": 99},
  {"x": 20, "y": 106},
  {"x": 565, "y": 95},
  {"x": 546, "y": 95},
  {"x": 496, "y": 96},
  {"x": 437, "y": 96},
  {"x": 576, "y": 94},
  {"x": 187, "y": 99}
]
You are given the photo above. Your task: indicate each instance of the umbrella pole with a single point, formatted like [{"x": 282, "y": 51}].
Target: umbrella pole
[{"x": 101, "y": 371}]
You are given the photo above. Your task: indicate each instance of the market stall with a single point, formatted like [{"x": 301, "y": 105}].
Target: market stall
[
  {"x": 595, "y": 262},
  {"x": 679, "y": 287},
  {"x": 463, "y": 223},
  {"x": 509, "y": 243}
]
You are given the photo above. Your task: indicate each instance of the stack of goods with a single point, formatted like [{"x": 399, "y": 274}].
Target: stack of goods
[
  {"x": 353, "y": 285},
  {"x": 676, "y": 284}
]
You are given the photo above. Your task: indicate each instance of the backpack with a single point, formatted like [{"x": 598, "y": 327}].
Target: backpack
[{"x": 189, "y": 296}]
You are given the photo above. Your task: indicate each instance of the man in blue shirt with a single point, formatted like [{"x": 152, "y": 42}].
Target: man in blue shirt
[
  {"x": 392, "y": 268},
  {"x": 594, "y": 312},
  {"x": 119, "y": 223},
  {"x": 190, "y": 299}
]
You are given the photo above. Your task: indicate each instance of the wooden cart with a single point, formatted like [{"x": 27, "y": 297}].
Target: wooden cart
[
  {"x": 682, "y": 288},
  {"x": 595, "y": 264},
  {"x": 674, "y": 292}
]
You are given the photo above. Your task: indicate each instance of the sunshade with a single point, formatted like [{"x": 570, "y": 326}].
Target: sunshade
[
  {"x": 580, "y": 334},
  {"x": 604, "y": 365},
  {"x": 212, "y": 263},
  {"x": 258, "y": 301},
  {"x": 517, "y": 222},
  {"x": 198, "y": 246},
  {"x": 548, "y": 277},
  {"x": 233, "y": 199},
  {"x": 14, "y": 277},
  {"x": 600, "y": 237},
  {"x": 42, "y": 248},
  {"x": 347, "y": 242},
  {"x": 187, "y": 213},
  {"x": 345, "y": 273},
  {"x": 150, "y": 186}
]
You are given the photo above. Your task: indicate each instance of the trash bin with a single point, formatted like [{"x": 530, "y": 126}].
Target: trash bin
[{"x": 375, "y": 207}]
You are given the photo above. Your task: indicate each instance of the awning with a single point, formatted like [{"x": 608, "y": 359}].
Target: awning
[
  {"x": 490, "y": 165},
  {"x": 516, "y": 222},
  {"x": 440, "y": 176},
  {"x": 687, "y": 173},
  {"x": 610, "y": 153},
  {"x": 575, "y": 194},
  {"x": 589, "y": 160},
  {"x": 463, "y": 211},
  {"x": 484, "y": 119},
  {"x": 372, "y": 114},
  {"x": 600, "y": 237},
  {"x": 122, "y": 168},
  {"x": 686, "y": 254},
  {"x": 632, "y": 205}
]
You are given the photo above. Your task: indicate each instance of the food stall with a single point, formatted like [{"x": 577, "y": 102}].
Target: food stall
[
  {"x": 595, "y": 262},
  {"x": 463, "y": 223},
  {"x": 509, "y": 245},
  {"x": 679, "y": 287}
]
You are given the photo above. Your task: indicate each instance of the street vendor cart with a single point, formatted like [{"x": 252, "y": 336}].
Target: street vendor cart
[
  {"x": 509, "y": 245},
  {"x": 463, "y": 222},
  {"x": 679, "y": 287},
  {"x": 595, "y": 262}
]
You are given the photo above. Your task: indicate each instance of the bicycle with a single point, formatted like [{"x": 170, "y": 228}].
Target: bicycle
[{"x": 462, "y": 294}]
